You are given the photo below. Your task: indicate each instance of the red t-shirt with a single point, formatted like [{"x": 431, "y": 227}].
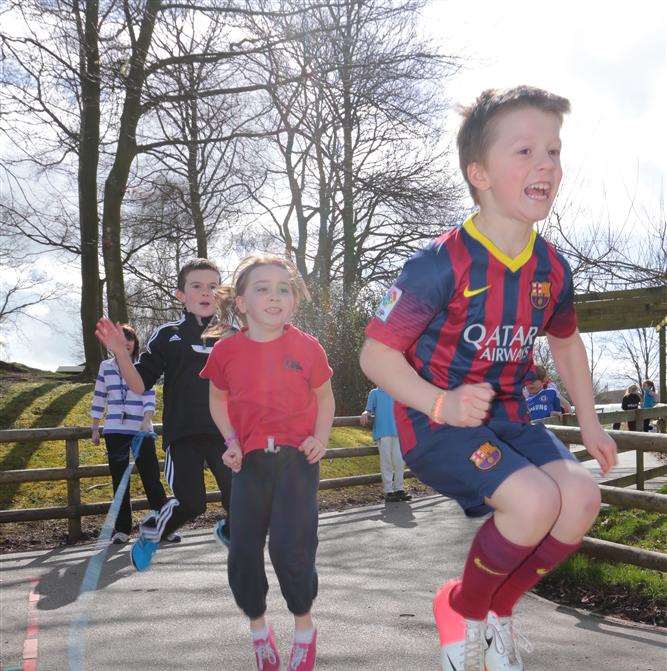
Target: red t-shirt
[{"x": 270, "y": 385}]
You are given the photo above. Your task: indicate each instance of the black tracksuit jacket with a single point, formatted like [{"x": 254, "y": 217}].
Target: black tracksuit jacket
[{"x": 177, "y": 351}]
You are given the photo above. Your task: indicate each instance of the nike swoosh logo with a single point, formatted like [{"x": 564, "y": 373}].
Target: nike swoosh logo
[
  {"x": 451, "y": 661},
  {"x": 479, "y": 565},
  {"x": 469, "y": 293},
  {"x": 542, "y": 571}
]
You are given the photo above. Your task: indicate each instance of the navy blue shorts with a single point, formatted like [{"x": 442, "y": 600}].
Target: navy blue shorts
[{"x": 468, "y": 464}]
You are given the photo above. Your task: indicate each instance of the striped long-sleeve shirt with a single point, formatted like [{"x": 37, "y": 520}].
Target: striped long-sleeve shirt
[{"x": 125, "y": 409}]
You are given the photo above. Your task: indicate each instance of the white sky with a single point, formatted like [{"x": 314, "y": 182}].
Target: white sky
[{"x": 609, "y": 59}]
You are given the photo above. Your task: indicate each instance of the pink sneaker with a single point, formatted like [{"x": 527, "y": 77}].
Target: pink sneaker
[
  {"x": 462, "y": 642},
  {"x": 266, "y": 653},
  {"x": 302, "y": 655}
]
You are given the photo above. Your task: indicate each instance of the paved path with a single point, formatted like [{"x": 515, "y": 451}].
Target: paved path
[
  {"x": 379, "y": 568},
  {"x": 627, "y": 465}
]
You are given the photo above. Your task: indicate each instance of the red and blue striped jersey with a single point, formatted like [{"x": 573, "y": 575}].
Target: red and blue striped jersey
[{"x": 464, "y": 312}]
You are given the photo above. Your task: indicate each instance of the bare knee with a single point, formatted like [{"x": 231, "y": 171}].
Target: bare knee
[
  {"x": 539, "y": 505},
  {"x": 581, "y": 501},
  {"x": 527, "y": 506}
]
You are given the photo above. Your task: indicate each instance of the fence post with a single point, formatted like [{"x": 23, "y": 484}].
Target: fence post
[
  {"x": 640, "y": 470},
  {"x": 639, "y": 425},
  {"x": 73, "y": 490}
]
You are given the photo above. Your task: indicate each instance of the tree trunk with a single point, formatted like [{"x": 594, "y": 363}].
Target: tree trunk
[
  {"x": 116, "y": 182},
  {"x": 193, "y": 181},
  {"x": 297, "y": 202},
  {"x": 349, "y": 242},
  {"x": 89, "y": 139},
  {"x": 322, "y": 266}
]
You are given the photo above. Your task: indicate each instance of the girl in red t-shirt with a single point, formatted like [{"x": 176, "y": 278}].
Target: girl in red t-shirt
[{"x": 270, "y": 396}]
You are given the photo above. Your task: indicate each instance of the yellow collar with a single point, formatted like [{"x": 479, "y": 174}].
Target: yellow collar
[{"x": 512, "y": 263}]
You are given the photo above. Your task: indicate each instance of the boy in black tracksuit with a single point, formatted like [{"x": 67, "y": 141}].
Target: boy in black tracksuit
[{"x": 190, "y": 437}]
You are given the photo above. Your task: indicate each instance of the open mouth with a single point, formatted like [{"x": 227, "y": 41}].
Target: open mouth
[
  {"x": 538, "y": 191},
  {"x": 273, "y": 311}
]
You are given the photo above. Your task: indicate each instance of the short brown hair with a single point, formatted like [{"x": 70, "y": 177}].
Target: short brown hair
[
  {"x": 194, "y": 264},
  {"x": 541, "y": 372},
  {"x": 474, "y": 136},
  {"x": 131, "y": 334}
]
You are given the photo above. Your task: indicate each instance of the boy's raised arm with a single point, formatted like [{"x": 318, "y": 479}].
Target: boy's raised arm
[
  {"x": 466, "y": 405},
  {"x": 387, "y": 368},
  {"x": 572, "y": 363}
]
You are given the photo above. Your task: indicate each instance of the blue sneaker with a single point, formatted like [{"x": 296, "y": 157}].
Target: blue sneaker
[
  {"x": 142, "y": 553},
  {"x": 221, "y": 533}
]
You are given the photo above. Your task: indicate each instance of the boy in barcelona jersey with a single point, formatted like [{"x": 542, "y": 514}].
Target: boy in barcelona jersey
[{"x": 452, "y": 342}]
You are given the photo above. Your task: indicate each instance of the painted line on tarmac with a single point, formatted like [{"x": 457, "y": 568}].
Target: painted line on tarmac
[
  {"x": 29, "y": 659},
  {"x": 91, "y": 578}
]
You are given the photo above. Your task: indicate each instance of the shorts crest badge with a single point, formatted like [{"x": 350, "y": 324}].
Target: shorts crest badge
[
  {"x": 486, "y": 456},
  {"x": 540, "y": 294}
]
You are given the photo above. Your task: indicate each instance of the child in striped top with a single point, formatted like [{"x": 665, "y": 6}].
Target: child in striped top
[{"x": 127, "y": 414}]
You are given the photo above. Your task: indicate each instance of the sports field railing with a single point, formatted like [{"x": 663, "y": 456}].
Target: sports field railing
[{"x": 612, "y": 490}]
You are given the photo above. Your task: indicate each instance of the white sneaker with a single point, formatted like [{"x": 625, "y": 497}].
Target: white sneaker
[
  {"x": 468, "y": 654},
  {"x": 119, "y": 538},
  {"x": 174, "y": 537},
  {"x": 462, "y": 642},
  {"x": 504, "y": 638}
]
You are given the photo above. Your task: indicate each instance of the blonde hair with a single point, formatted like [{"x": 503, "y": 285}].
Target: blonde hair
[
  {"x": 632, "y": 389},
  {"x": 226, "y": 294}
]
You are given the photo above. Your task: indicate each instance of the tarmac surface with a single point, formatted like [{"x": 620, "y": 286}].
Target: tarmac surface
[{"x": 379, "y": 568}]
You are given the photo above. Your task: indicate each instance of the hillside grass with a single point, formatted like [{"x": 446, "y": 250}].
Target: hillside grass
[
  {"x": 61, "y": 403},
  {"x": 629, "y": 527},
  {"x": 618, "y": 589}
]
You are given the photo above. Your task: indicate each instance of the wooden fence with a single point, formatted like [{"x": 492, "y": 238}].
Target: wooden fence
[{"x": 612, "y": 490}]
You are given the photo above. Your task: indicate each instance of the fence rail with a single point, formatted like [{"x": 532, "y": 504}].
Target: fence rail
[{"x": 612, "y": 492}]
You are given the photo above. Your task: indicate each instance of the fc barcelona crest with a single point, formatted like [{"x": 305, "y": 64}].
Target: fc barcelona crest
[
  {"x": 540, "y": 294},
  {"x": 486, "y": 456}
]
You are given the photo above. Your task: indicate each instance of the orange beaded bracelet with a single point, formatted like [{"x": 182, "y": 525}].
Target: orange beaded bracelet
[{"x": 436, "y": 409}]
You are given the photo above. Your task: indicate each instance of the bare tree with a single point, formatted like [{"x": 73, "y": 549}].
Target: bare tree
[
  {"x": 607, "y": 255},
  {"x": 202, "y": 140},
  {"x": 636, "y": 355},
  {"x": 53, "y": 87},
  {"x": 357, "y": 154},
  {"x": 595, "y": 353},
  {"x": 73, "y": 58}
]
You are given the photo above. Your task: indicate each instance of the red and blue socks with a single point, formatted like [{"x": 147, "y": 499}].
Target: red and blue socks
[
  {"x": 491, "y": 560},
  {"x": 547, "y": 555}
]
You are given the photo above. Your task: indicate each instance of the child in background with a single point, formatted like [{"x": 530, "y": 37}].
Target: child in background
[
  {"x": 649, "y": 399},
  {"x": 542, "y": 376},
  {"x": 631, "y": 401},
  {"x": 542, "y": 401},
  {"x": 178, "y": 350},
  {"x": 381, "y": 406},
  {"x": 452, "y": 342},
  {"x": 270, "y": 396},
  {"x": 127, "y": 414}
]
